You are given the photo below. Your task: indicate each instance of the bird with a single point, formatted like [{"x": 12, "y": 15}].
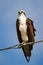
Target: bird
[{"x": 25, "y": 33}]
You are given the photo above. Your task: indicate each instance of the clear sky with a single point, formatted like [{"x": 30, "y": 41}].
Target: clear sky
[{"x": 8, "y": 37}]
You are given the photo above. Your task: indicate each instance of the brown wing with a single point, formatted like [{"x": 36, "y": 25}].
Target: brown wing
[
  {"x": 30, "y": 30},
  {"x": 18, "y": 32},
  {"x": 31, "y": 33}
]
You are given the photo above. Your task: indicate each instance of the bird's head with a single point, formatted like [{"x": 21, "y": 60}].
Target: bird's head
[{"x": 21, "y": 12}]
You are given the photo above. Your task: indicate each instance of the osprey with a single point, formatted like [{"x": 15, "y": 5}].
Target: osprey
[{"x": 25, "y": 33}]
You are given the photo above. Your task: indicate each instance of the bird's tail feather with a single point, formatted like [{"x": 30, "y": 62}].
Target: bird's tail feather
[
  {"x": 27, "y": 51},
  {"x": 28, "y": 59}
]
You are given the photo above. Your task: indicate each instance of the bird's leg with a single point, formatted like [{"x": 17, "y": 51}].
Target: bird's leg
[
  {"x": 24, "y": 43},
  {"x": 20, "y": 44}
]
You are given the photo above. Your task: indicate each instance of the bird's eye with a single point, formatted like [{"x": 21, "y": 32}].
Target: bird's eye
[{"x": 21, "y": 11}]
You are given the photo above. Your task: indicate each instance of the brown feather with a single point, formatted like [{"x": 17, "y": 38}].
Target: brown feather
[{"x": 30, "y": 33}]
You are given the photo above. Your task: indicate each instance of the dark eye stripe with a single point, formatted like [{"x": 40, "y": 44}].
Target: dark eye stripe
[{"x": 22, "y": 12}]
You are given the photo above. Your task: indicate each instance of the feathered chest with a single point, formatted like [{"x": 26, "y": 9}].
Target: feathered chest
[{"x": 23, "y": 28}]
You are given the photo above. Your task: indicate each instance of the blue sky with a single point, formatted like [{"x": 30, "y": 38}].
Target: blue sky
[{"x": 8, "y": 37}]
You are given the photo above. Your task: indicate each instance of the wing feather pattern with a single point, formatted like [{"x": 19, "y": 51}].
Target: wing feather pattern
[{"x": 31, "y": 33}]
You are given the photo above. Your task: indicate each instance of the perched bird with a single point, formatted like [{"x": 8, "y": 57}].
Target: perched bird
[{"x": 25, "y": 32}]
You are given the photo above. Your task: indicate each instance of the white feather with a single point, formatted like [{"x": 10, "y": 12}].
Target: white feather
[{"x": 23, "y": 27}]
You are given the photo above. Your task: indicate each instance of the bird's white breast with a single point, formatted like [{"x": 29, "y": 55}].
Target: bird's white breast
[{"x": 23, "y": 28}]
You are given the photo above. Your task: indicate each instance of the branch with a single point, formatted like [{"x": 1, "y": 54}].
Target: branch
[{"x": 18, "y": 46}]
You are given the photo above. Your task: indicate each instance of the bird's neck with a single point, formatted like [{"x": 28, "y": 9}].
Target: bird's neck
[{"x": 22, "y": 18}]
